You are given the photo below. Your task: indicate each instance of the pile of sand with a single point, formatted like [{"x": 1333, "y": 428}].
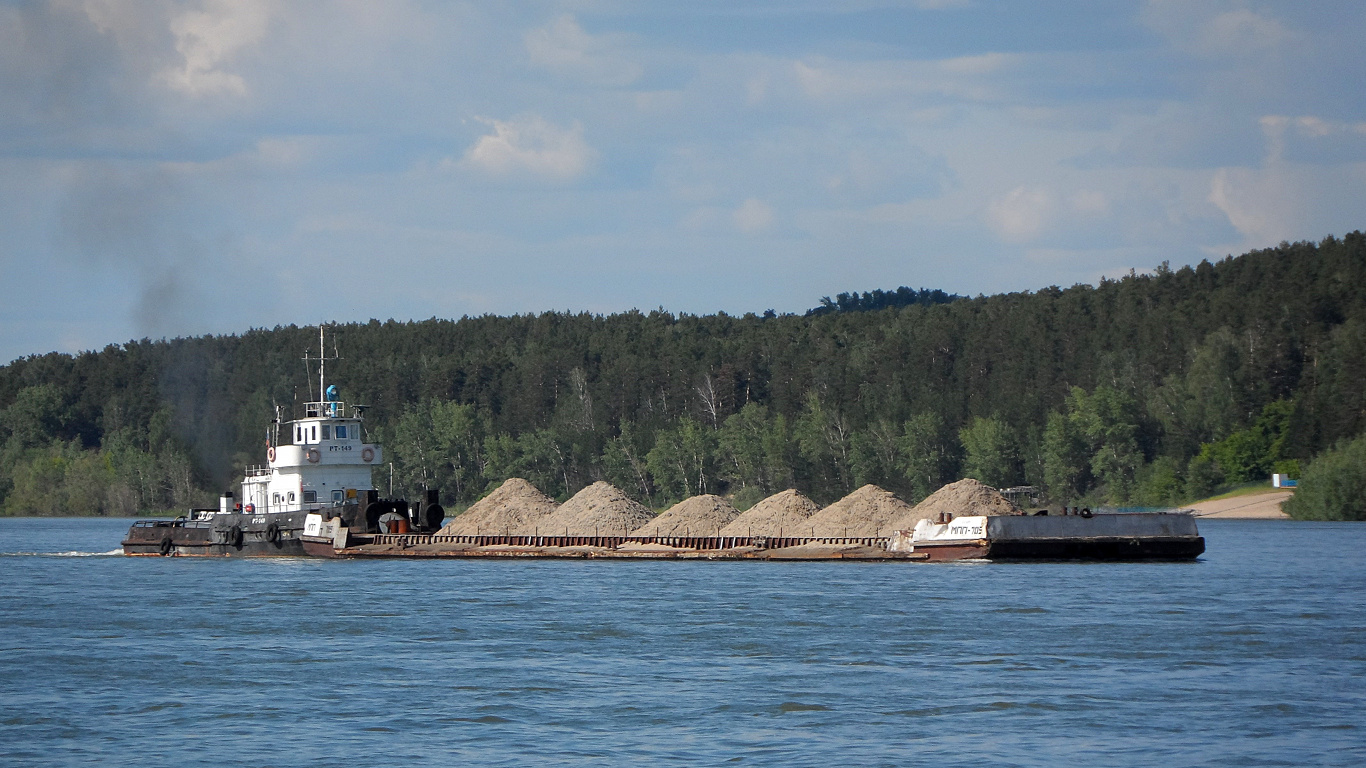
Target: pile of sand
[
  {"x": 869, "y": 511},
  {"x": 702, "y": 515},
  {"x": 965, "y": 497},
  {"x": 601, "y": 509},
  {"x": 782, "y": 514},
  {"x": 515, "y": 508}
]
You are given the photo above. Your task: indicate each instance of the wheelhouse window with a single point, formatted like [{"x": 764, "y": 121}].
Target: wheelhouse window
[
  {"x": 291, "y": 497},
  {"x": 298, "y": 434},
  {"x": 337, "y": 497},
  {"x": 341, "y": 431},
  {"x": 327, "y": 431},
  {"x": 310, "y": 497},
  {"x": 315, "y": 433}
]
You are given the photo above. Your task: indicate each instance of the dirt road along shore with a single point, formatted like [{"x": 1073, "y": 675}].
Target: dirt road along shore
[{"x": 1264, "y": 506}]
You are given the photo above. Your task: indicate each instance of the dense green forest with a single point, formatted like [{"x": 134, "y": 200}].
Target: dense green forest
[{"x": 1148, "y": 389}]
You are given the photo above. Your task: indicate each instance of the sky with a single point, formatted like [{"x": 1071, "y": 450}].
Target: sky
[{"x": 179, "y": 168}]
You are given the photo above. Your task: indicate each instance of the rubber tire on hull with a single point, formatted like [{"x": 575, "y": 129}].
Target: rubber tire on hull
[
  {"x": 272, "y": 533},
  {"x": 432, "y": 517},
  {"x": 372, "y": 515},
  {"x": 166, "y": 546}
]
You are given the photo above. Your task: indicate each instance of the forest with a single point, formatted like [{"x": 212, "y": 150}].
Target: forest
[{"x": 1145, "y": 390}]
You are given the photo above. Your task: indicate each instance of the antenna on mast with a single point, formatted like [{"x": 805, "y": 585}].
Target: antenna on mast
[{"x": 322, "y": 359}]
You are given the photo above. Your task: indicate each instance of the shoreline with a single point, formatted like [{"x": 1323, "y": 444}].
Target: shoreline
[{"x": 1258, "y": 506}]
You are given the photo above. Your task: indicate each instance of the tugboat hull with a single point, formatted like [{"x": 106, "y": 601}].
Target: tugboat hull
[{"x": 222, "y": 535}]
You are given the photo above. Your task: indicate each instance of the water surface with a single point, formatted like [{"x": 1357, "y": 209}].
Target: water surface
[{"x": 1253, "y": 656}]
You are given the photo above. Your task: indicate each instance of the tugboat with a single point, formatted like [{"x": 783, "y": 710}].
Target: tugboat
[{"x": 320, "y": 472}]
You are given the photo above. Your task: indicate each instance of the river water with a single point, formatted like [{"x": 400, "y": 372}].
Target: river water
[{"x": 1254, "y": 655}]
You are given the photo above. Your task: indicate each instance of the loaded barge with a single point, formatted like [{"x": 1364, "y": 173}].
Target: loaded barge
[{"x": 1159, "y": 536}]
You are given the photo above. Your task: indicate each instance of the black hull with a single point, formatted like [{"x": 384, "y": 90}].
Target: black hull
[
  {"x": 1182, "y": 548},
  {"x": 235, "y": 535},
  {"x": 1098, "y": 549}
]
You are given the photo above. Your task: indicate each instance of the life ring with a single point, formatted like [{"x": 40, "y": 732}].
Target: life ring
[
  {"x": 367, "y": 454},
  {"x": 270, "y": 453},
  {"x": 273, "y": 533},
  {"x": 313, "y": 456},
  {"x": 166, "y": 544}
]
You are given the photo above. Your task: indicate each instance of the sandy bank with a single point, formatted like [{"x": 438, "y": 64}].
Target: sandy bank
[{"x": 1266, "y": 506}]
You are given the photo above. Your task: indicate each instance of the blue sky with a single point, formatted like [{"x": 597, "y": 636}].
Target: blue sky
[{"x": 174, "y": 168}]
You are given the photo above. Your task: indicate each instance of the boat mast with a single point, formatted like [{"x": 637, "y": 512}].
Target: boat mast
[{"x": 322, "y": 365}]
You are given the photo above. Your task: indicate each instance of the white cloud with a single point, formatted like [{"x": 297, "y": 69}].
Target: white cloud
[
  {"x": 207, "y": 39},
  {"x": 1204, "y": 30},
  {"x": 971, "y": 78},
  {"x": 530, "y": 145},
  {"x": 1283, "y": 200},
  {"x": 1241, "y": 30},
  {"x": 753, "y": 215},
  {"x": 1022, "y": 213},
  {"x": 562, "y": 47},
  {"x": 1263, "y": 205}
]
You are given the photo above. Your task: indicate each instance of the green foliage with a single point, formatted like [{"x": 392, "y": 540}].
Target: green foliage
[
  {"x": 1093, "y": 446},
  {"x": 625, "y": 465},
  {"x": 925, "y": 454},
  {"x": 1252, "y": 453},
  {"x": 755, "y": 451},
  {"x": 683, "y": 460},
  {"x": 1067, "y": 471},
  {"x": 1160, "y": 484},
  {"x": 825, "y": 442},
  {"x": 1125, "y": 390},
  {"x": 990, "y": 452},
  {"x": 1203, "y": 475},
  {"x": 1333, "y": 486}
]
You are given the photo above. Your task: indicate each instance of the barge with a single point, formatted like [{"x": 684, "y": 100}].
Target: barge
[
  {"x": 1085, "y": 536},
  {"x": 1160, "y": 536}
]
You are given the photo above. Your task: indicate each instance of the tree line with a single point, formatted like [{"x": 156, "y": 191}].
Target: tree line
[{"x": 1148, "y": 389}]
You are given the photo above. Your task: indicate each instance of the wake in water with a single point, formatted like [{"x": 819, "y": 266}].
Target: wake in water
[{"x": 110, "y": 553}]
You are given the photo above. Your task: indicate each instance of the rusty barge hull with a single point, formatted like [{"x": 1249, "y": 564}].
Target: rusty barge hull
[{"x": 435, "y": 546}]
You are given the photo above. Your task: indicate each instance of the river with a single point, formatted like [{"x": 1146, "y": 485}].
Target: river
[{"x": 1255, "y": 655}]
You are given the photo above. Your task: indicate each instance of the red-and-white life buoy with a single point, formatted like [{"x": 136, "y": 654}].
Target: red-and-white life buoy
[
  {"x": 313, "y": 456},
  {"x": 367, "y": 454},
  {"x": 270, "y": 453}
]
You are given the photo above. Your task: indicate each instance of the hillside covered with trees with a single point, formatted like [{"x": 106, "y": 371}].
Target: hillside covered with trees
[{"x": 1149, "y": 389}]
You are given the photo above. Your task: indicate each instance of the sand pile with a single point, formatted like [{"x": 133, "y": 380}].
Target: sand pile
[
  {"x": 515, "y": 508},
  {"x": 869, "y": 511},
  {"x": 601, "y": 509},
  {"x": 965, "y": 497},
  {"x": 702, "y": 515},
  {"x": 782, "y": 514}
]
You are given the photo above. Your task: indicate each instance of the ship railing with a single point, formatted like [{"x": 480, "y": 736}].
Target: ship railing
[
  {"x": 1106, "y": 510},
  {"x": 614, "y": 542},
  {"x": 257, "y": 470},
  {"x": 331, "y": 409}
]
